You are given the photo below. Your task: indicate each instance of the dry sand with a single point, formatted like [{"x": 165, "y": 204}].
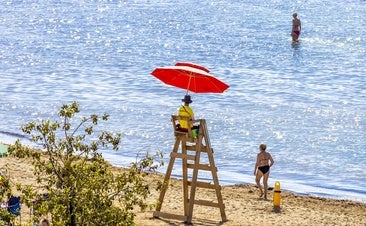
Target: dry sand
[{"x": 242, "y": 205}]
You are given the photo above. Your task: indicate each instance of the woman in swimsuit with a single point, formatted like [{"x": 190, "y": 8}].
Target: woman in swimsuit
[{"x": 261, "y": 169}]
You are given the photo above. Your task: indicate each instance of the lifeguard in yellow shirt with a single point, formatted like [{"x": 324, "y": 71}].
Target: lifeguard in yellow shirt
[{"x": 186, "y": 111}]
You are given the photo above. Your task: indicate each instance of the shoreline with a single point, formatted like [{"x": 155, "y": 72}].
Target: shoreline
[
  {"x": 229, "y": 178},
  {"x": 242, "y": 204},
  {"x": 310, "y": 191},
  {"x": 286, "y": 185}
]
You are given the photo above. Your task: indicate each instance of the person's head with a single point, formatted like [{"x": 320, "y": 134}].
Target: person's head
[
  {"x": 294, "y": 15},
  {"x": 187, "y": 99},
  {"x": 262, "y": 147},
  {"x": 44, "y": 222}
]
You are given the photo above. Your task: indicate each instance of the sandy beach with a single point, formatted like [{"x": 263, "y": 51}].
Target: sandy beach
[{"x": 242, "y": 205}]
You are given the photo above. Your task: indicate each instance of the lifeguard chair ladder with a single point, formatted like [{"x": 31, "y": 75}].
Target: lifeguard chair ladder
[{"x": 199, "y": 144}]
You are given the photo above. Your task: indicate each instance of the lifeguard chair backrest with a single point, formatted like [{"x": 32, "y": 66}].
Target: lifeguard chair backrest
[{"x": 176, "y": 126}]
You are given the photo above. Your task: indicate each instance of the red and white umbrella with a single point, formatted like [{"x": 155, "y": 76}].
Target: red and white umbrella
[{"x": 191, "y": 77}]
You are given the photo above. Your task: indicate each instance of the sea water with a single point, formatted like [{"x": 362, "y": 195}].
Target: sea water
[{"x": 305, "y": 101}]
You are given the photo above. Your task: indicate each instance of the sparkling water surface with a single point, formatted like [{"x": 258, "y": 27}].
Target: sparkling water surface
[{"x": 306, "y": 101}]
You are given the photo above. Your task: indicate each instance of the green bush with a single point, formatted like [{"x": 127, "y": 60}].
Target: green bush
[
  {"x": 79, "y": 187},
  {"x": 5, "y": 194}
]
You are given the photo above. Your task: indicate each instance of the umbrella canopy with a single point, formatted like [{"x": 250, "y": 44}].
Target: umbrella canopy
[{"x": 191, "y": 77}]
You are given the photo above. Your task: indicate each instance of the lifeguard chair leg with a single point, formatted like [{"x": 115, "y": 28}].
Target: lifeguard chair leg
[
  {"x": 167, "y": 176},
  {"x": 185, "y": 178},
  {"x": 194, "y": 179}
]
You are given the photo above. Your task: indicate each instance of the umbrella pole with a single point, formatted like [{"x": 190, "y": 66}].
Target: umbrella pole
[{"x": 189, "y": 83}]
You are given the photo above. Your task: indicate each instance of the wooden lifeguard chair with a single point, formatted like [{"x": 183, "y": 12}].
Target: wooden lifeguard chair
[{"x": 198, "y": 145}]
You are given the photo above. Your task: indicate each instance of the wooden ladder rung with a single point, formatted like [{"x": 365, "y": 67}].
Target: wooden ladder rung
[
  {"x": 202, "y": 167},
  {"x": 201, "y": 184},
  {"x": 206, "y": 203},
  {"x": 179, "y": 133},
  {"x": 193, "y": 148},
  {"x": 170, "y": 216},
  {"x": 185, "y": 136},
  {"x": 182, "y": 156}
]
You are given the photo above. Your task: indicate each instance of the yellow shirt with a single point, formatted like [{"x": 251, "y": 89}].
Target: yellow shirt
[{"x": 185, "y": 111}]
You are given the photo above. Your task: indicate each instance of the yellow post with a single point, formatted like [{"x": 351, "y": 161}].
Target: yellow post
[{"x": 277, "y": 194}]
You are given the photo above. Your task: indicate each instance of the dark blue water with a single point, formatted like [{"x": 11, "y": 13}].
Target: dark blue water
[{"x": 306, "y": 101}]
